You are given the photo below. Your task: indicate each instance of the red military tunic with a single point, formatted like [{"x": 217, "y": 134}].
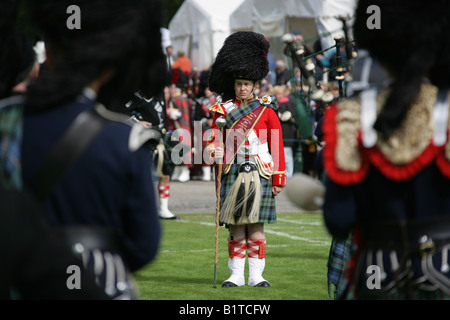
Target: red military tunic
[
  {"x": 260, "y": 143},
  {"x": 265, "y": 142}
]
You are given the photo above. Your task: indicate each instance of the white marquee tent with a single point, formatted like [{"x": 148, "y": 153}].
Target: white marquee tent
[
  {"x": 275, "y": 18},
  {"x": 200, "y": 26}
]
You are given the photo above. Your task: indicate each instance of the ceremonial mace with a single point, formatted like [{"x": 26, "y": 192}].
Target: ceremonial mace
[{"x": 220, "y": 122}]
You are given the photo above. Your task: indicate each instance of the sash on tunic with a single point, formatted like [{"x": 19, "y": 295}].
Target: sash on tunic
[
  {"x": 242, "y": 203},
  {"x": 245, "y": 198},
  {"x": 240, "y": 124},
  {"x": 240, "y": 112}
]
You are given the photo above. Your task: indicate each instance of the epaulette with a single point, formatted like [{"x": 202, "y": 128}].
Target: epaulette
[
  {"x": 341, "y": 156},
  {"x": 218, "y": 107},
  {"x": 351, "y": 147}
]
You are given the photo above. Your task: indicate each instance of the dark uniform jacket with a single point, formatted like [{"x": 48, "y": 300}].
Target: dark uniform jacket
[{"x": 109, "y": 185}]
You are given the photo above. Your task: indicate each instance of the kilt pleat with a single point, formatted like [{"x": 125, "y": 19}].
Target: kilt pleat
[{"x": 267, "y": 212}]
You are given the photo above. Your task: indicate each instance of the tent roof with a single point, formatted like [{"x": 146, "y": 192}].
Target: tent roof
[
  {"x": 288, "y": 8},
  {"x": 192, "y": 12}
]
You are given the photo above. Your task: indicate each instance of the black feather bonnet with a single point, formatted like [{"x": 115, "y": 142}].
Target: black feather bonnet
[{"x": 242, "y": 56}]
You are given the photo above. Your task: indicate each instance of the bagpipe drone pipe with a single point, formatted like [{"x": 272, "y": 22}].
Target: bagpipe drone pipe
[
  {"x": 305, "y": 191},
  {"x": 302, "y": 57}
]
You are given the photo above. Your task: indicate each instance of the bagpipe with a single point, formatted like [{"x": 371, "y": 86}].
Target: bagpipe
[
  {"x": 161, "y": 145},
  {"x": 302, "y": 57}
]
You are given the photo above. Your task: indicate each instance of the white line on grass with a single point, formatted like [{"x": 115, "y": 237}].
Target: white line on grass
[
  {"x": 310, "y": 223},
  {"x": 286, "y": 235},
  {"x": 205, "y": 250},
  {"x": 185, "y": 251},
  {"x": 203, "y": 223},
  {"x": 302, "y": 222},
  {"x": 280, "y": 234}
]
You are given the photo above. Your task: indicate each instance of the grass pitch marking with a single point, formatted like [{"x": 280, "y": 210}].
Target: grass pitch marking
[
  {"x": 206, "y": 250},
  {"x": 291, "y": 237},
  {"x": 277, "y": 233},
  {"x": 203, "y": 223},
  {"x": 302, "y": 222}
]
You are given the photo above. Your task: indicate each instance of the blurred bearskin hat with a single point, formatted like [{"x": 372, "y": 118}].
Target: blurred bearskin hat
[
  {"x": 408, "y": 59},
  {"x": 115, "y": 35},
  {"x": 243, "y": 56}
]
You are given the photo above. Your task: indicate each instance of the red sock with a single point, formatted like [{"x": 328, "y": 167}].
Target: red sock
[
  {"x": 256, "y": 248},
  {"x": 164, "y": 190},
  {"x": 236, "y": 249}
]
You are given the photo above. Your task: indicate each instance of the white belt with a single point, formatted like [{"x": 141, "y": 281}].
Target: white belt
[{"x": 253, "y": 150}]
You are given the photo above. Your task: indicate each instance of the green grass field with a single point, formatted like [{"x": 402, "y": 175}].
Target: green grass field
[{"x": 296, "y": 256}]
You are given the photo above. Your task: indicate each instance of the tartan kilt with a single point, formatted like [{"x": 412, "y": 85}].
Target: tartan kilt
[{"x": 267, "y": 212}]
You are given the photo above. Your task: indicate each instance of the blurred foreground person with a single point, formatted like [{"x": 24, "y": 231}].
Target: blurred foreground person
[
  {"x": 36, "y": 264},
  {"x": 104, "y": 205},
  {"x": 387, "y": 158}
]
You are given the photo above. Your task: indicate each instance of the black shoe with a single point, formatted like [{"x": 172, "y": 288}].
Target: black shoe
[
  {"x": 228, "y": 284},
  {"x": 263, "y": 284},
  {"x": 171, "y": 218}
]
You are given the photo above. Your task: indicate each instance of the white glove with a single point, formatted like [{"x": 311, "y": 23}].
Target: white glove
[
  {"x": 175, "y": 115},
  {"x": 218, "y": 155}
]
